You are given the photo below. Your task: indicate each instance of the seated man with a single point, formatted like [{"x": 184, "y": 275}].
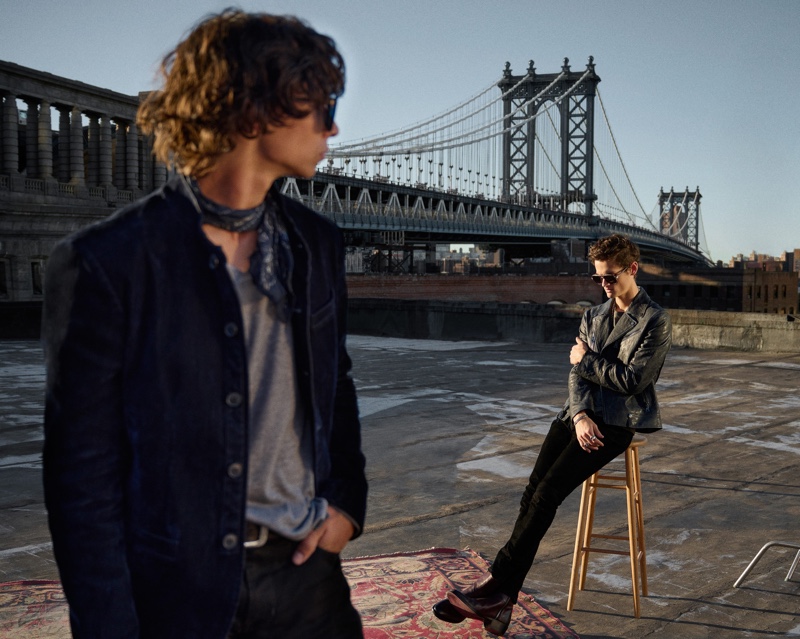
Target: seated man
[{"x": 617, "y": 358}]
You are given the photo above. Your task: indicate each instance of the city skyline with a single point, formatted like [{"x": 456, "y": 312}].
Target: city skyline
[{"x": 698, "y": 94}]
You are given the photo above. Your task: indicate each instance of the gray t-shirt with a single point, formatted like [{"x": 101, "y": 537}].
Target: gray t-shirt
[{"x": 280, "y": 480}]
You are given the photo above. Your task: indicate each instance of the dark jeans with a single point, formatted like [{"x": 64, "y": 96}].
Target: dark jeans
[
  {"x": 281, "y": 600},
  {"x": 561, "y": 467}
]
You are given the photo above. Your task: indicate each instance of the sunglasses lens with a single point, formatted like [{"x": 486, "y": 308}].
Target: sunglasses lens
[
  {"x": 609, "y": 279},
  {"x": 330, "y": 114}
]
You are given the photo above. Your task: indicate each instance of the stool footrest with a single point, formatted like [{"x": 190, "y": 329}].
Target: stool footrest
[
  {"x": 614, "y": 486},
  {"x": 606, "y": 551}
]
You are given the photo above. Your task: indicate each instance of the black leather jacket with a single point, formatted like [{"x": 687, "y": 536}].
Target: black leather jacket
[{"x": 615, "y": 381}]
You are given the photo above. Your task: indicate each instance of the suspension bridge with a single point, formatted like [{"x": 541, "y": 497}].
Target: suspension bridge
[
  {"x": 526, "y": 161},
  {"x": 515, "y": 166}
]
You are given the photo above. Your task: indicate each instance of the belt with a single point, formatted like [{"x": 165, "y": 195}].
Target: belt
[{"x": 256, "y": 536}]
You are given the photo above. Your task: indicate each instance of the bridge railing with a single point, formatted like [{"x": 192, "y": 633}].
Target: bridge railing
[{"x": 363, "y": 204}]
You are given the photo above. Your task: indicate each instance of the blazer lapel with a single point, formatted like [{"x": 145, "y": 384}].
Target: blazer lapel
[
  {"x": 624, "y": 325},
  {"x": 600, "y": 329},
  {"x": 629, "y": 319}
]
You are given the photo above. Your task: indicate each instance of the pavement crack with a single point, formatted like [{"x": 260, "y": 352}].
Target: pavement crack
[{"x": 445, "y": 511}]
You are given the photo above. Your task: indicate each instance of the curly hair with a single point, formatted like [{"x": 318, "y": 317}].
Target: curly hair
[
  {"x": 614, "y": 248},
  {"x": 237, "y": 73}
]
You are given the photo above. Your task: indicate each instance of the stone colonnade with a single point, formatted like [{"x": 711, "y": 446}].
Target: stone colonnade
[
  {"x": 70, "y": 153},
  {"x": 107, "y": 153}
]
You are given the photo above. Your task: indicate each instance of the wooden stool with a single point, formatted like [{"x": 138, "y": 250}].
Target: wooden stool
[{"x": 631, "y": 483}]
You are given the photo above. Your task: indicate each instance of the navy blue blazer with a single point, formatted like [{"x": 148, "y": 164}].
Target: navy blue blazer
[{"x": 146, "y": 420}]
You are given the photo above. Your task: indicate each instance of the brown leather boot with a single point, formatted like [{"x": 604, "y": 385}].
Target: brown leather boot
[
  {"x": 494, "y": 610},
  {"x": 446, "y": 611},
  {"x": 485, "y": 586}
]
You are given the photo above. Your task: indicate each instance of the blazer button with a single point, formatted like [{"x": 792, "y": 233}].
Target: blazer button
[
  {"x": 235, "y": 470},
  {"x": 231, "y": 329},
  {"x": 234, "y": 400},
  {"x": 230, "y": 541},
  {"x": 213, "y": 262}
]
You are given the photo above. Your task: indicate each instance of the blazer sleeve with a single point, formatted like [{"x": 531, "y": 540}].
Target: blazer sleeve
[
  {"x": 346, "y": 488},
  {"x": 84, "y": 460},
  {"x": 643, "y": 366}
]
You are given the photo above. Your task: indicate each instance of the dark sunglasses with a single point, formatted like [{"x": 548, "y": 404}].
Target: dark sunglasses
[
  {"x": 608, "y": 279},
  {"x": 329, "y": 112}
]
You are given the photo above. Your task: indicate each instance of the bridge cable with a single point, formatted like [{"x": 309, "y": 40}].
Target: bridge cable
[
  {"x": 466, "y": 135},
  {"x": 622, "y": 163},
  {"x": 466, "y": 138},
  {"x": 411, "y": 128}
]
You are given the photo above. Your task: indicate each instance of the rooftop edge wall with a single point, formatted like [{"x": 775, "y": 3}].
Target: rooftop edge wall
[{"x": 534, "y": 323}]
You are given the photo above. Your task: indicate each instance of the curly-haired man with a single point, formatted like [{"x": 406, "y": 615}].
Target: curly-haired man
[{"x": 202, "y": 462}]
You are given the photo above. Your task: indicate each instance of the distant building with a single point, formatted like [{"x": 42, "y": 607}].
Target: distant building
[
  {"x": 750, "y": 290},
  {"x": 788, "y": 261}
]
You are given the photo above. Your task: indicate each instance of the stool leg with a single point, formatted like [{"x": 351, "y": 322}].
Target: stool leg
[
  {"x": 579, "y": 543},
  {"x": 640, "y": 522},
  {"x": 588, "y": 527},
  {"x": 630, "y": 488}
]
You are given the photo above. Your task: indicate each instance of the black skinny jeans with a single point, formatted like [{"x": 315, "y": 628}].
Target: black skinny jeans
[{"x": 561, "y": 467}]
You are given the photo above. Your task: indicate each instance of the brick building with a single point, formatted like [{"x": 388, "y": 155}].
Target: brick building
[{"x": 751, "y": 290}]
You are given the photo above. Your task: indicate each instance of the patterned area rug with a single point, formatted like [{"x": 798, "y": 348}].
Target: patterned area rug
[
  {"x": 33, "y": 610},
  {"x": 393, "y": 593}
]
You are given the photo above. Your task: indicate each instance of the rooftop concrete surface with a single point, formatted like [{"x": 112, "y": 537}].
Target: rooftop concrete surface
[{"x": 451, "y": 431}]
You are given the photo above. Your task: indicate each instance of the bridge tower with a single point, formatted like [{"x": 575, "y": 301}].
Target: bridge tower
[
  {"x": 576, "y": 113},
  {"x": 680, "y": 215}
]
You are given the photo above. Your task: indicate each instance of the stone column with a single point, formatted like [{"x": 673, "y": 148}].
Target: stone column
[
  {"x": 119, "y": 154},
  {"x": 146, "y": 166},
  {"x": 62, "y": 166},
  {"x": 32, "y": 138},
  {"x": 76, "y": 164},
  {"x": 159, "y": 174},
  {"x": 10, "y": 135},
  {"x": 104, "y": 152},
  {"x": 132, "y": 158},
  {"x": 45, "y": 142},
  {"x": 93, "y": 165}
]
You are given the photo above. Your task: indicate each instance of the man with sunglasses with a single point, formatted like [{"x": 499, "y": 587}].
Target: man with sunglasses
[
  {"x": 616, "y": 361},
  {"x": 202, "y": 464}
]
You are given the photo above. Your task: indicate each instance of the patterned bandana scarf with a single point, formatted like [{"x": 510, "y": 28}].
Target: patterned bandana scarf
[{"x": 272, "y": 263}]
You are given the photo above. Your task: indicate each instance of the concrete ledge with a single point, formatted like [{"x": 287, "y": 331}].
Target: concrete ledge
[
  {"x": 534, "y": 323},
  {"x": 424, "y": 319},
  {"x": 20, "y": 320},
  {"x": 755, "y": 332},
  {"x": 523, "y": 323}
]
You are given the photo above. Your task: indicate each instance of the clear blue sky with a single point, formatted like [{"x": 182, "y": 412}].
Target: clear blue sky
[{"x": 699, "y": 92}]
